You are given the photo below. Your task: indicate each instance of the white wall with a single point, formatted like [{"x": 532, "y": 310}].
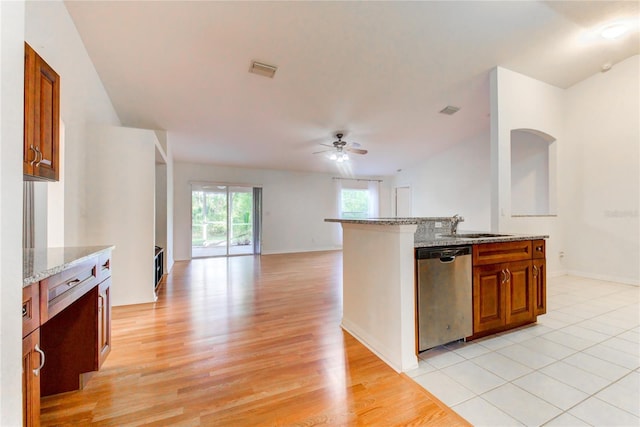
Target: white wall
[
  {"x": 520, "y": 102},
  {"x": 83, "y": 99},
  {"x": 453, "y": 181},
  {"x": 529, "y": 174},
  {"x": 603, "y": 166},
  {"x": 169, "y": 257},
  {"x": 11, "y": 91},
  {"x": 121, "y": 206},
  {"x": 295, "y": 205}
]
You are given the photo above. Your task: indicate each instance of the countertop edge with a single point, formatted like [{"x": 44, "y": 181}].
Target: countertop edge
[
  {"x": 388, "y": 221},
  {"x": 448, "y": 241},
  {"x": 37, "y": 276}
]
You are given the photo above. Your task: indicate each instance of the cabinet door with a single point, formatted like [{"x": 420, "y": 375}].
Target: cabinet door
[
  {"x": 520, "y": 293},
  {"x": 41, "y": 118},
  {"x": 31, "y": 362},
  {"x": 488, "y": 298},
  {"x": 104, "y": 320},
  {"x": 540, "y": 284}
]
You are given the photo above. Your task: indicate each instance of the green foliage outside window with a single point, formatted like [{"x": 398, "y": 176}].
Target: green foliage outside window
[{"x": 355, "y": 203}]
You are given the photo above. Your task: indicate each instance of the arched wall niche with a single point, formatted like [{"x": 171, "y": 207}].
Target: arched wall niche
[{"x": 533, "y": 173}]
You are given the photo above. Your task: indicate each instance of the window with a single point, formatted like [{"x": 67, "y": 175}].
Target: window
[{"x": 354, "y": 203}]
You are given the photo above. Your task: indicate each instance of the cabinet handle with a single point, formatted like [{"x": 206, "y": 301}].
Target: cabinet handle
[
  {"x": 504, "y": 276},
  {"x": 539, "y": 248},
  {"x": 38, "y": 152},
  {"x": 36, "y": 371},
  {"x": 535, "y": 271},
  {"x": 100, "y": 303},
  {"x": 35, "y": 155}
]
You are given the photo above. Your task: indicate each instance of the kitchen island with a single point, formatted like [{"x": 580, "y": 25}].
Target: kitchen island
[{"x": 379, "y": 286}]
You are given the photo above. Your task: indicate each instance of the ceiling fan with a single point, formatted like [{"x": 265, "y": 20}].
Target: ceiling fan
[{"x": 340, "y": 148}]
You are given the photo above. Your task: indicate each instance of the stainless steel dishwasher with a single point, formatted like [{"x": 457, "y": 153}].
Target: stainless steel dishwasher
[{"x": 445, "y": 311}]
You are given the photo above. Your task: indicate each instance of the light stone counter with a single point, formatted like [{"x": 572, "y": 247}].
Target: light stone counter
[{"x": 38, "y": 264}]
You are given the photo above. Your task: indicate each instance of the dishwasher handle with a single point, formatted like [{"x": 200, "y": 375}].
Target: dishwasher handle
[{"x": 447, "y": 259}]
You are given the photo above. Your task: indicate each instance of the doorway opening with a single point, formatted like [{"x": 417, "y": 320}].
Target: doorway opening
[{"x": 225, "y": 220}]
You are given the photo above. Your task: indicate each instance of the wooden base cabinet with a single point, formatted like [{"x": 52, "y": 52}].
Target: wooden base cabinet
[
  {"x": 68, "y": 317},
  {"x": 508, "y": 287}
]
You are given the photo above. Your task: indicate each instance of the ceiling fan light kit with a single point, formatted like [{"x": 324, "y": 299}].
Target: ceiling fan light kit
[{"x": 339, "y": 149}]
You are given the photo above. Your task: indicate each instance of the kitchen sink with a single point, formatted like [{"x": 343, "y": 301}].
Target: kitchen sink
[{"x": 474, "y": 235}]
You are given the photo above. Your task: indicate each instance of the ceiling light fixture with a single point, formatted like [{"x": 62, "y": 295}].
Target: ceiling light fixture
[
  {"x": 614, "y": 31},
  {"x": 261, "y": 69}
]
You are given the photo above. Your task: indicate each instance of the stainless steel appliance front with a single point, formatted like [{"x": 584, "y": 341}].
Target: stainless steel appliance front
[{"x": 445, "y": 311}]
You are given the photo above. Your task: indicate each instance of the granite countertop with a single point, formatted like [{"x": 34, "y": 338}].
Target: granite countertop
[
  {"x": 389, "y": 221},
  {"x": 460, "y": 239},
  {"x": 40, "y": 263}
]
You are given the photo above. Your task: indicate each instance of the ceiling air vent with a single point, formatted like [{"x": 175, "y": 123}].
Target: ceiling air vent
[
  {"x": 449, "y": 110},
  {"x": 263, "y": 69}
]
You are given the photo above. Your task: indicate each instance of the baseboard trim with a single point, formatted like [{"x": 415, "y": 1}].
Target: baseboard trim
[
  {"x": 604, "y": 277},
  {"x": 299, "y": 250}
]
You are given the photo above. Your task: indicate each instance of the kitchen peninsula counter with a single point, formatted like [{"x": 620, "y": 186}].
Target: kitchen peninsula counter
[
  {"x": 379, "y": 298},
  {"x": 41, "y": 263}
]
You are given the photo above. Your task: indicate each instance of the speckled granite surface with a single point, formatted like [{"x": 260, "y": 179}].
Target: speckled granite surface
[
  {"x": 390, "y": 221},
  {"x": 38, "y": 264},
  {"x": 461, "y": 240},
  {"x": 436, "y": 231}
]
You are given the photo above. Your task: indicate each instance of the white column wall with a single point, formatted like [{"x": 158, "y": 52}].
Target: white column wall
[
  {"x": 11, "y": 111},
  {"x": 378, "y": 304},
  {"x": 520, "y": 102},
  {"x": 121, "y": 207}
]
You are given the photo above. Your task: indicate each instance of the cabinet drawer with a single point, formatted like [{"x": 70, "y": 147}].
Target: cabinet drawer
[
  {"x": 539, "y": 250},
  {"x": 104, "y": 266},
  {"x": 61, "y": 290},
  {"x": 30, "y": 308},
  {"x": 494, "y": 253}
]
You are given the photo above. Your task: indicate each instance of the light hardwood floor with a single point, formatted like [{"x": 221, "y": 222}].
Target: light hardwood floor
[{"x": 245, "y": 341}]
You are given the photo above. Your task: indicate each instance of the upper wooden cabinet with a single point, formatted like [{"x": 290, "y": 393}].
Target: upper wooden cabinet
[{"x": 41, "y": 150}]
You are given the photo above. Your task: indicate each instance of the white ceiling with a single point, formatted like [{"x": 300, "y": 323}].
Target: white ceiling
[{"x": 377, "y": 71}]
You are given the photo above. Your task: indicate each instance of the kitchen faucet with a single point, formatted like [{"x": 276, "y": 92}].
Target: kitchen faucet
[{"x": 454, "y": 223}]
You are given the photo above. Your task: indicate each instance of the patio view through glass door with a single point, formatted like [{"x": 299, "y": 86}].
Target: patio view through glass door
[{"x": 224, "y": 220}]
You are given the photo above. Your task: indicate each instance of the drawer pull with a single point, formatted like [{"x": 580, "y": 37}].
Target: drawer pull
[
  {"x": 535, "y": 271},
  {"x": 36, "y": 371},
  {"x": 25, "y": 311},
  {"x": 539, "y": 248},
  {"x": 73, "y": 282}
]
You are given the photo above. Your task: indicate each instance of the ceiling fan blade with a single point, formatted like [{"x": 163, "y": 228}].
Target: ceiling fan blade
[
  {"x": 327, "y": 145},
  {"x": 353, "y": 145},
  {"x": 356, "y": 150},
  {"x": 323, "y": 151}
]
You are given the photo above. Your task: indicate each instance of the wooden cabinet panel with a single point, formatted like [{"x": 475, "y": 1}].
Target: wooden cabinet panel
[
  {"x": 61, "y": 290},
  {"x": 509, "y": 288},
  {"x": 540, "y": 285},
  {"x": 520, "y": 307},
  {"x": 31, "y": 362},
  {"x": 104, "y": 320},
  {"x": 488, "y": 298},
  {"x": 539, "y": 249},
  {"x": 30, "y": 308},
  {"x": 41, "y": 119},
  {"x": 494, "y": 253}
]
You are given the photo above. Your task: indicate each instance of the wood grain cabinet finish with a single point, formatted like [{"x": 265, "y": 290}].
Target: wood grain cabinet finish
[
  {"x": 507, "y": 288},
  {"x": 41, "y": 148},
  {"x": 66, "y": 317},
  {"x": 31, "y": 363},
  {"x": 104, "y": 320}
]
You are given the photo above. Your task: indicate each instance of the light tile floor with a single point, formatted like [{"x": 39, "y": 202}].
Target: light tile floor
[{"x": 579, "y": 365}]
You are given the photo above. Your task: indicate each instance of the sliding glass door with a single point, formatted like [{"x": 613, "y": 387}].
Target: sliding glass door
[{"x": 225, "y": 220}]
